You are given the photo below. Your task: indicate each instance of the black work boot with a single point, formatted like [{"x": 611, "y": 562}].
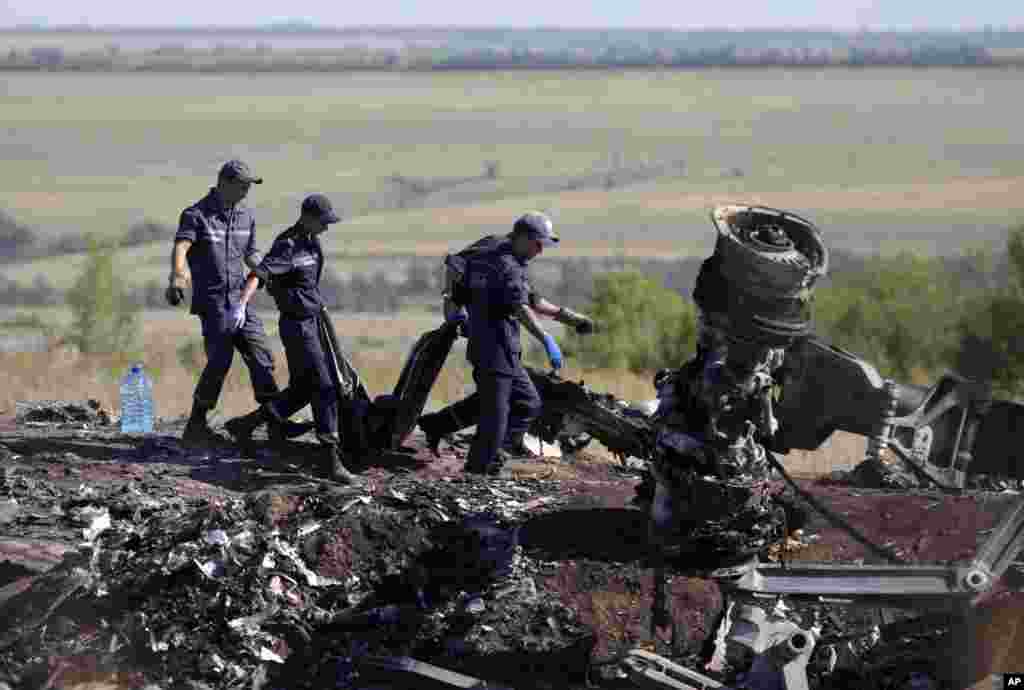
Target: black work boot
[
  {"x": 495, "y": 468},
  {"x": 241, "y": 428},
  {"x": 333, "y": 466},
  {"x": 433, "y": 426},
  {"x": 197, "y": 429},
  {"x": 289, "y": 429},
  {"x": 279, "y": 431}
]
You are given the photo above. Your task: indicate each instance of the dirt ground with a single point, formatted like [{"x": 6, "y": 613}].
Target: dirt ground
[{"x": 575, "y": 522}]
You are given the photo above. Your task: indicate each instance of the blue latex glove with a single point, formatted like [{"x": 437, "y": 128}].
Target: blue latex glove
[
  {"x": 238, "y": 316},
  {"x": 554, "y": 354}
]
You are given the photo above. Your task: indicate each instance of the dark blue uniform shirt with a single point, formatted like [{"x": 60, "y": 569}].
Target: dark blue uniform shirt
[
  {"x": 222, "y": 240},
  {"x": 291, "y": 270},
  {"x": 498, "y": 287},
  {"x": 460, "y": 260}
]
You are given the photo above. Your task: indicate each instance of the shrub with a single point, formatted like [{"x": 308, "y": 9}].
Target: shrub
[
  {"x": 643, "y": 325},
  {"x": 104, "y": 317},
  {"x": 990, "y": 328},
  {"x": 899, "y": 313}
]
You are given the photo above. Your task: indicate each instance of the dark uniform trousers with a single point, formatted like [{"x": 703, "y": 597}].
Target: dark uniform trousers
[
  {"x": 507, "y": 404},
  {"x": 309, "y": 378},
  {"x": 221, "y": 340},
  {"x": 223, "y": 239},
  {"x": 508, "y": 401}
]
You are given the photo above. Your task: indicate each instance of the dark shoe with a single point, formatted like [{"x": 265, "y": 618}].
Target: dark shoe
[
  {"x": 433, "y": 435},
  {"x": 334, "y": 468},
  {"x": 241, "y": 428},
  {"x": 198, "y": 432},
  {"x": 290, "y": 430},
  {"x": 492, "y": 469},
  {"x": 279, "y": 432}
]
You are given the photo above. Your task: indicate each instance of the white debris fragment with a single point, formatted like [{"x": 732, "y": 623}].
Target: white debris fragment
[
  {"x": 218, "y": 536},
  {"x": 365, "y": 500},
  {"x": 160, "y": 646},
  {"x": 268, "y": 655},
  {"x": 211, "y": 569},
  {"x": 718, "y": 658},
  {"x": 398, "y": 495},
  {"x": 545, "y": 450},
  {"x": 308, "y": 528},
  {"x": 289, "y": 552},
  {"x": 781, "y": 609},
  {"x": 244, "y": 540},
  {"x": 98, "y": 520}
]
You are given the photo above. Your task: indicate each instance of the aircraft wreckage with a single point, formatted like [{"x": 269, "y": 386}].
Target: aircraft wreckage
[{"x": 717, "y": 500}]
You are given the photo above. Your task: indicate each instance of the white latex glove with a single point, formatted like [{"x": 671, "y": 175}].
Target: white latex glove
[{"x": 238, "y": 316}]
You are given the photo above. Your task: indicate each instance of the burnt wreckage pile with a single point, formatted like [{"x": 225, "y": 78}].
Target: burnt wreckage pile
[
  {"x": 321, "y": 587},
  {"x": 292, "y": 587},
  {"x": 710, "y": 467}
]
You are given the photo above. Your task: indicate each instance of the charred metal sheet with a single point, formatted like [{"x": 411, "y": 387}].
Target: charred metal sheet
[
  {"x": 571, "y": 405},
  {"x": 421, "y": 369}
]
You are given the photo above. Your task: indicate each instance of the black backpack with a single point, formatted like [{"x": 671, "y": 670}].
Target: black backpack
[{"x": 455, "y": 267}]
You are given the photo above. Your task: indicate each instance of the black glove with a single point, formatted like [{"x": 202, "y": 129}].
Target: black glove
[
  {"x": 175, "y": 293},
  {"x": 586, "y": 325}
]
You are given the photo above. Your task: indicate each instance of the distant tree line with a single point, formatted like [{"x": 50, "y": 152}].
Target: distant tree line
[
  {"x": 21, "y": 243},
  {"x": 911, "y": 316},
  {"x": 679, "y": 51}
]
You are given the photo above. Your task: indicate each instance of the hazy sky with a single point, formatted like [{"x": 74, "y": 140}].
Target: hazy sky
[{"x": 899, "y": 14}]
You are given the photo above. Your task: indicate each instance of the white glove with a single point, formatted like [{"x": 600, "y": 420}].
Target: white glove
[{"x": 238, "y": 316}]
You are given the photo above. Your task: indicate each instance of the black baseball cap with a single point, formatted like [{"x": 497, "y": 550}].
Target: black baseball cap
[
  {"x": 237, "y": 170},
  {"x": 320, "y": 206},
  {"x": 536, "y": 226}
]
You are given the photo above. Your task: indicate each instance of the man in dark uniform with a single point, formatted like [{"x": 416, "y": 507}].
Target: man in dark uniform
[
  {"x": 465, "y": 412},
  {"x": 291, "y": 270},
  {"x": 498, "y": 303},
  {"x": 217, "y": 237}
]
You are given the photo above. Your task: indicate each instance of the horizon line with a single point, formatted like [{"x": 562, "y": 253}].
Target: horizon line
[{"x": 302, "y": 26}]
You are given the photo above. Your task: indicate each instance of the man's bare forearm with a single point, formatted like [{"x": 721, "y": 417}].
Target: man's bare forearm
[
  {"x": 561, "y": 314},
  {"x": 251, "y": 283},
  {"x": 529, "y": 320},
  {"x": 544, "y": 308},
  {"x": 179, "y": 254}
]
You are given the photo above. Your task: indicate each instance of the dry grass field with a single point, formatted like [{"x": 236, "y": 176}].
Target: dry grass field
[{"x": 880, "y": 159}]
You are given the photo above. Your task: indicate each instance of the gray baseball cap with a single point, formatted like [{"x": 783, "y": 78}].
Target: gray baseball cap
[
  {"x": 237, "y": 170},
  {"x": 536, "y": 226},
  {"x": 320, "y": 206}
]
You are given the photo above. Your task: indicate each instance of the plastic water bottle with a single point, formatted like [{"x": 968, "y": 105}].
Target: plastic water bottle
[{"x": 136, "y": 402}]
